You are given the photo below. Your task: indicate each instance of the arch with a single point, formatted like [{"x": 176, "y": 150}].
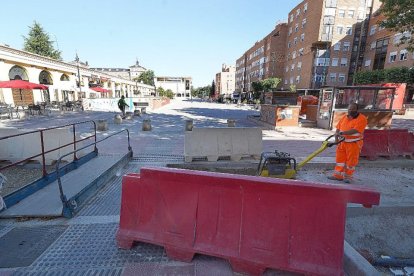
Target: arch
[
  {"x": 45, "y": 78},
  {"x": 64, "y": 77},
  {"x": 18, "y": 73}
]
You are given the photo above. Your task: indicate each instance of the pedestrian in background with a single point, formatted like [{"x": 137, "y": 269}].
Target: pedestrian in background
[
  {"x": 122, "y": 104},
  {"x": 351, "y": 127}
]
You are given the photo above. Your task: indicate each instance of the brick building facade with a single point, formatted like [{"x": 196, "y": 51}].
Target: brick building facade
[
  {"x": 323, "y": 43},
  {"x": 265, "y": 59}
]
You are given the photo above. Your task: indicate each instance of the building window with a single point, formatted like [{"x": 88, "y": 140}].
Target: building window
[
  {"x": 344, "y": 62},
  {"x": 291, "y": 80},
  {"x": 296, "y": 27},
  {"x": 341, "y": 78},
  {"x": 291, "y": 17},
  {"x": 303, "y": 23},
  {"x": 393, "y": 56},
  {"x": 373, "y": 45},
  {"x": 288, "y": 44},
  {"x": 339, "y": 29},
  {"x": 297, "y": 12},
  {"x": 351, "y": 13},
  {"x": 292, "y": 67},
  {"x": 372, "y": 30},
  {"x": 341, "y": 13},
  {"x": 286, "y": 81},
  {"x": 290, "y": 30},
  {"x": 299, "y": 66},
  {"x": 347, "y": 46},
  {"x": 337, "y": 46},
  {"x": 297, "y": 79},
  {"x": 294, "y": 55},
  {"x": 287, "y": 68},
  {"x": 335, "y": 61},
  {"x": 331, "y": 3},
  {"x": 332, "y": 77},
  {"x": 349, "y": 30},
  {"x": 301, "y": 52},
  {"x": 305, "y": 8},
  {"x": 367, "y": 63},
  {"x": 302, "y": 37},
  {"x": 295, "y": 40},
  {"x": 403, "y": 55}
]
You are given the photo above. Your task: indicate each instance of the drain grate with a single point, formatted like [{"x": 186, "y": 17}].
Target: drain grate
[
  {"x": 23, "y": 245},
  {"x": 94, "y": 246},
  {"x": 161, "y": 158}
]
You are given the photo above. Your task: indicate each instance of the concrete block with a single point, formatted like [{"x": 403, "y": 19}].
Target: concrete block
[
  {"x": 217, "y": 142},
  {"x": 118, "y": 119},
  {"x": 102, "y": 125},
  {"x": 146, "y": 125}
]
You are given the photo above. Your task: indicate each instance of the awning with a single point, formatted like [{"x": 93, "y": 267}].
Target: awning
[{"x": 100, "y": 89}]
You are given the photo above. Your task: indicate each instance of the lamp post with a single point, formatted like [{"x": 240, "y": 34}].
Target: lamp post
[{"x": 79, "y": 77}]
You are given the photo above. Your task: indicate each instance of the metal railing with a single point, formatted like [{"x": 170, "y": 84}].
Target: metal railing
[
  {"x": 42, "y": 144},
  {"x": 62, "y": 195}
]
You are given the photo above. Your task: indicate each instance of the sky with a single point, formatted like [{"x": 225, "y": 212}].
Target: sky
[{"x": 171, "y": 37}]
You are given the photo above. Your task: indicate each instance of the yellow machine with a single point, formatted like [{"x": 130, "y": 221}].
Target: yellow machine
[{"x": 282, "y": 165}]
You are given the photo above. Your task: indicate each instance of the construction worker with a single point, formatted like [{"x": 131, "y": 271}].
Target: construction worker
[{"x": 351, "y": 127}]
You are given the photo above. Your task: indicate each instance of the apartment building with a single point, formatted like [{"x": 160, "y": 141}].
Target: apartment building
[
  {"x": 383, "y": 50},
  {"x": 324, "y": 38},
  {"x": 225, "y": 82},
  {"x": 265, "y": 59}
]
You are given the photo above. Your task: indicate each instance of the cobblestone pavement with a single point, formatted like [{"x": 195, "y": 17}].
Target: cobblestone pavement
[{"x": 86, "y": 246}]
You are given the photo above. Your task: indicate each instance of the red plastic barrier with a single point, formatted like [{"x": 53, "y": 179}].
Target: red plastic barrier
[
  {"x": 254, "y": 222},
  {"x": 388, "y": 143},
  {"x": 375, "y": 144},
  {"x": 399, "y": 143}
]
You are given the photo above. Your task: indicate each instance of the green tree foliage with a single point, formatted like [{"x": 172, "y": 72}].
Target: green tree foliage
[
  {"x": 161, "y": 91},
  {"x": 146, "y": 77},
  {"x": 38, "y": 42},
  {"x": 270, "y": 83},
  {"x": 257, "y": 88},
  {"x": 392, "y": 75},
  {"x": 202, "y": 92},
  {"x": 165, "y": 93},
  {"x": 399, "y": 16}
]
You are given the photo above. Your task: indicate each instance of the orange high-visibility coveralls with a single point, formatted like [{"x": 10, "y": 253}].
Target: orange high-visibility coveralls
[{"x": 347, "y": 152}]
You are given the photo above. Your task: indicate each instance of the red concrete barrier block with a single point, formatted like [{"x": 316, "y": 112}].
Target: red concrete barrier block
[
  {"x": 254, "y": 222},
  {"x": 399, "y": 143},
  {"x": 375, "y": 144}
]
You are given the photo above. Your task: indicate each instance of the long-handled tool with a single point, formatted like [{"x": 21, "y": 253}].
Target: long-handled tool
[{"x": 282, "y": 165}]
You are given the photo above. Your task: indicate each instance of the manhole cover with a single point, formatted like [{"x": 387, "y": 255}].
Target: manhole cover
[{"x": 23, "y": 245}]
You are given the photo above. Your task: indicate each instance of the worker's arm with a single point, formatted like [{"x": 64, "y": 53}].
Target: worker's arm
[{"x": 348, "y": 132}]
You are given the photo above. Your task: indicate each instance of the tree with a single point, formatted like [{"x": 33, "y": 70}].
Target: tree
[
  {"x": 38, "y": 42},
  {"x": 270, "y": 83},
  {"x": 391, "y": 75},
  {"x": 146, "y": 77},
  {"x": 257, "y": 88},
  {"x": 399, "y": 17},
  {"x": 213, "y": 89},
  {"x": 161, "y": 91}
]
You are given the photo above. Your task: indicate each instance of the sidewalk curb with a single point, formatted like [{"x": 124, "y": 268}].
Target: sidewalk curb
[{"x": 355, "y": 264}]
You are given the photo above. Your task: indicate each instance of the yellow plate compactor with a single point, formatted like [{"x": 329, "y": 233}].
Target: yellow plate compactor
[{"x": 282, "y": 165}]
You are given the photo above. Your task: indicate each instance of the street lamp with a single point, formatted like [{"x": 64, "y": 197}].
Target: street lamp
[{"x": 79, "y": 78}]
